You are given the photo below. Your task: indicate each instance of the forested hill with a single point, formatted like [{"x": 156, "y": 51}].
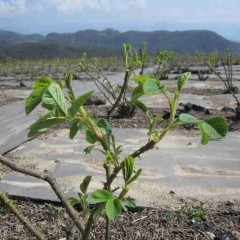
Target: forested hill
[{"x": 108, "y": 42}]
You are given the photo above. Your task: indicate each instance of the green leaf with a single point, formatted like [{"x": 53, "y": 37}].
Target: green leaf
[
  {"x": 109, "y": 157},
  {"x": 137, "y": 92},
  {"x": 98, "y": 211},
  {"x": 215, "y": 128},
  {"x": 123, "y": 193},
  {"x": 129, "y": 202},
  {"x": 74, "y": 201},
  {"x": 43, "y": 124},
  {"x": 128, "y": 168},
  {"x": 43, "y": 82},
  {"x": 153, "y": 87},
  {"x": 84, "y": 203},
  {"x": 158, "y": 119},
  {"x": 140, "y": 105},
  {"x": 135, "y": 176},
  {"x": 103, "y": 123},
  {"x": 187, "y": 118},
  {"x": 205, "y": 138},
  {"x": 100, "y": 196},
  {"x": 83, "y": 127},
  {"x": 113, "y": 208},
  {"x": 143, "y": 78},
  {"x": 60, "y": 83},
  {"x": 88, "y": 150},
  {"x": 68, "y": 80},
  {"x": 84, "y": 185},
  {"x": 53, "y": 98},
  {"x": 91, "y": 137},
  {"x": 155, "y": 136},
  {"x": 77, "y": 103},
  {"x": 182, "y": 80},
  {"x": 34, "y": 99},
  {"x": 73, "y": 130}
]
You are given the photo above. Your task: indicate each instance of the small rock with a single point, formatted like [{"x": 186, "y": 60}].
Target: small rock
[
  {"x": 231, "y": 224},
  {"x": 57, "y": 161},
  {"x": 76, "y": 76},
  {"x": 228, "y": 109},
  {"x": 138, "y": 234},
  {"x": 225, "y": 237},
  {"x": 236, "y": 234},
  {"x": 22, "y": 84},
  {"x": 188, "y": 126},
  {"x": 95, "y": 100},
  {"x": 210, "y": 235},
  {"x": 172, "y": 192},
  {"x": 229, "y": 203},
  {"x": 189, "y": 143},
  {"x": 101, "y": 219}
]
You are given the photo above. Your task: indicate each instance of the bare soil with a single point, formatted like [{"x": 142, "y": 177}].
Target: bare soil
[
  {"x": 188, "y": 221},
  {"x": 221, "y": 221},
  {"x": 4, "y": 98},
  {"x": 140, "y": 120}
]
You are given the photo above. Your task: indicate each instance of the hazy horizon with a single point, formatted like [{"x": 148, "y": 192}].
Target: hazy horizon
[{"x": 62, "y": 16}]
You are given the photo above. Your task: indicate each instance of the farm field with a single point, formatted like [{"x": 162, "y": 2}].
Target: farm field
[{"x": 178, "y": 172}]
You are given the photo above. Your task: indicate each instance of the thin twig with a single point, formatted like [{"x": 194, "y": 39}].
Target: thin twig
[
  {"x": 47, "y": 177},
  {"x": 37, "y": 233}
]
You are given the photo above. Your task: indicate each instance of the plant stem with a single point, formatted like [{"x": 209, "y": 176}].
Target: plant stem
[
  {"x": 108, "y": 232},
  {"x": 47, "y": 177},
  {"x": 226, "y": 85},
  {"x": 38, "y": 234},
  {"x": 150, "y": 145},
  {"x": 124, "y": 87},
  {"x": 107, "y": 227},
  {"x": 107, "y": 185}
]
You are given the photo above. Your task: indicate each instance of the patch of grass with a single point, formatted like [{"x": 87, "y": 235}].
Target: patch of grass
[{"x": 193, "y": 213}]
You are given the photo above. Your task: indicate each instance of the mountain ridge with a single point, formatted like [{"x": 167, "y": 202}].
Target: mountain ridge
[{"x": 109, "y": 41}]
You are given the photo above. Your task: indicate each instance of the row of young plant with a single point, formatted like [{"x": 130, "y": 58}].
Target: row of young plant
[
  {"x": 59, "y": 99},
  {"x": 164, "y": 59},
  {"x": 163, "y": 63}
]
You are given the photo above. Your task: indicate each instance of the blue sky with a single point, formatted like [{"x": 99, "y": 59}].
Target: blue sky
[{"x": 44, "y": 16}]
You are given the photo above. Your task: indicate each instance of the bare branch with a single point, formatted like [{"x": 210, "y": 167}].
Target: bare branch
[{"x": 47, "y": 177}]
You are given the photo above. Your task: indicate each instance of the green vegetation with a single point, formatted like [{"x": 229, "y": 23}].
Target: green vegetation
[
  {"x": 165, "y": 60},
  {"x": 117, "y": 99},
  {"x": 110, "y": 200},
  {"x": 227, "y": 62},
  {"x": 201, "y": 59},
  {"x": 194, "y": 214}
]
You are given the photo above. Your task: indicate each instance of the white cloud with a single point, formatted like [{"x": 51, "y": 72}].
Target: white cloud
[
  {"x": 18, "y": 7},
  {"x": 12, "y": 7},
  {"x": 75, "y": 6}
]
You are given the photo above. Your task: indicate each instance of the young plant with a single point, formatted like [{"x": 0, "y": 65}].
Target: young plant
[
  {"x": 213, "y": 60},
  {"x": 165, "y": 61},
  {"x": 143, "y": 56},
  {"x": 110, "y": 200},
  {"x": 193, "y": 213},
  {"x": 201, "y": 59},
  {"x": 91, "y": 67},
  {"x": 227, "y": 62}
]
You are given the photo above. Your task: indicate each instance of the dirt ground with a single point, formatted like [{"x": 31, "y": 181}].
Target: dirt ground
[
  {"x": 4, "y": 98},
  {"x": 186, "y": 221},
  {"x": 140, "y": 120}
]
